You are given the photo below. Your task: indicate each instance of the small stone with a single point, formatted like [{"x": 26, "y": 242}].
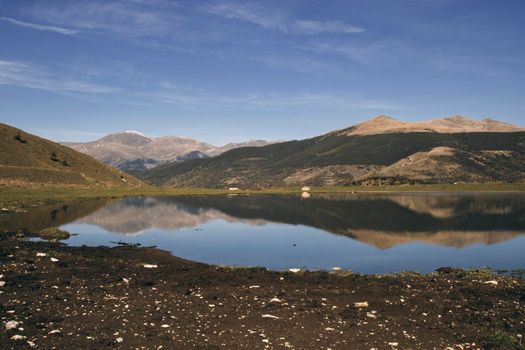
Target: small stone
[
  {"x": 371, "y": 315},
  {"x": 2, "y": 283},
  {"x": 165, "y": 326},
  {"x": 361, "y": 304},
  {"x": 11, "y": 325},
  {"x": 150, "y": 266},
  {"x": 54, "y": 331},
  {"x": 125, "y": 280},
  {"x": 393, "y": 343},
  {"x": 295, "y": 270},
  {"x": 54, "y": 260},
  {"x": 276, "y": 300},
  {"x": 17, "y": 337},
  {"x": 265, "y": 341},
  {"x": 119, "y": 340},
  {"x": 270, "y": 316},
  {"x": 31, "y": 344},
  {"x": 491, "y": 282},
  {"x": 41, "y": 254}
]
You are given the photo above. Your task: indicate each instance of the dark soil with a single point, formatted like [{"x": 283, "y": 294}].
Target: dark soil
[{"x": 93, "y": 298}]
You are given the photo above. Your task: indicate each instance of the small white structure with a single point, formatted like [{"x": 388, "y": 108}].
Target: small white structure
[
  {"x": 305, "y": 188},
  {"x": 305, "y": 195},
  {"x": 233, "y": 188}
]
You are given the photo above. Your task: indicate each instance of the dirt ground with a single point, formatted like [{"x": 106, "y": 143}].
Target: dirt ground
[{"x": 58, "y": 297}]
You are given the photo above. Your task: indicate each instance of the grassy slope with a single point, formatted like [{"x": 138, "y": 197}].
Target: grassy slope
[
  {"x": 267, "y": 166},
  {"x": 25, "y": 158}
]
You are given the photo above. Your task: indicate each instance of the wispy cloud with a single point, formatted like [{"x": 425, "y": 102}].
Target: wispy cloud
[
  {"x": 267, "y": 19},
  {"x": 41, "y": 27},
  {"x": 36, "y": 77},
  {"x": 175, "y": 95},
  {"x": 125, "y": 19}
]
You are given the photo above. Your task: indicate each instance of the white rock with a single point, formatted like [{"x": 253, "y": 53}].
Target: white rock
[
  {"x": 276, "y": 300},
  {"x": 41, "y": 254},
  {"x": 265, "y": 341},
  {"x": 125, "y": 280},
  {"x": 270, "y": 316},
  {"x": 119, "y": 340},
  {"x": 305, "y": 195},
  {"x": 165, "y": 326},
  {"x": 253, "y": 287},
  {"x": 54, "y": 260},
  {"x": 295, "y": 270},
  {"x": 492, "y": 282},
  {"x": 11, "y": 325},
  {"x": 361, "y": 304},
  {"x": 31, "y": 344},
  {"x": 393, "y": 343},
  {"x": 17, "y": 337},
  {"x": 150, "y": 266},
  {"x": 2, "y": 283},
  {"x": 371, "y": 315},
  {"x": 54, "y": 331}
]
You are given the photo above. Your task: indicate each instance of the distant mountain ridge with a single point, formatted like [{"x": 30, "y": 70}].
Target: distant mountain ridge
[
  {"x": 132, "y": 151},
  {"x": 380, "y": 151}
]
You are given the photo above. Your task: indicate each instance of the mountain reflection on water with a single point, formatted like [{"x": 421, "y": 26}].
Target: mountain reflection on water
[
  {"x": 371, "y": 233},
  {"x": 380, "y": 220}
]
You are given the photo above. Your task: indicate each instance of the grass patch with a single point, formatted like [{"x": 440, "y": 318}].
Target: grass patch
[
  {"x": 53, "y": 234},
  {"x": 501, "y": 340}
]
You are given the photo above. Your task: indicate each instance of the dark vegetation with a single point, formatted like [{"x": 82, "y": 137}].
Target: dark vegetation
[{"x": 267, "y": 166}]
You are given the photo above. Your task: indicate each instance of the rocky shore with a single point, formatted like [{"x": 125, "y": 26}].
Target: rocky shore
[{"x": 55, "y": 297}]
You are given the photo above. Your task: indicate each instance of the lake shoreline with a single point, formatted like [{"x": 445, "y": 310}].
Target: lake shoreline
[
  {"x": 124, "y": 297},
  {"x": 14, "y": 198}
]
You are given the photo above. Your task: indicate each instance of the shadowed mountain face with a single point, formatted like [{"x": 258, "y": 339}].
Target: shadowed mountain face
[
  {"x": 381, "y": 151},
  {"x": 133, "y": 152},
  {"x": 380, "y": 220}
]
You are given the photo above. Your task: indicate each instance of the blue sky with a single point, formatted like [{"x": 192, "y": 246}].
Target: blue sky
[{"x": 223, "y": 71}]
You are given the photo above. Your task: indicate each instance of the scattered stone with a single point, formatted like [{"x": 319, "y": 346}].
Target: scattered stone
[
  {"x": 361, "y": 304},
  {"x": 165, "y": 326},
  {"x": 11, "y": 325},
  {"x": 491, "y": 282},
  {"x": 119, "y": 340},
  {"x": 2, "y": 283},
  {"x": 393, "y": 344},
  {"x": 270, "y": 316},
  {"x": 17, "y": 337},
  {"x": 276, "y": 300},
  {"x": 41, "y": 254},
  {"x": 295, "y": 270},
  {"x": 125, "y": 280},
  {"x": 371, "y": 315},
  {"x": 54, "y": 260},
  {"x": 55, "y": 331},
  {"x": 150, "y": 266},
  {"x": 31, "y": 344}
]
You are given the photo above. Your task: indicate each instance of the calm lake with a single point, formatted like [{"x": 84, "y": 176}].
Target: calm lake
[{"x": 366, "y": 233}]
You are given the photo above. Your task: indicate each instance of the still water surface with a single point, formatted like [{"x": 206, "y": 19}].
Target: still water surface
[{"x": 364, "y": 233}]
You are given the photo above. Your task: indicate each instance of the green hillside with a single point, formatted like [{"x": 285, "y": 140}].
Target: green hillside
[
  {"x": 28, "y": 159},
  {"x": 333, "y": 159}
]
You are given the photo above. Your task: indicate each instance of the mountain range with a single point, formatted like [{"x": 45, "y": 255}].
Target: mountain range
[
  {"x": 133, "y": 152},
  {"x": 380, "y": 151}
]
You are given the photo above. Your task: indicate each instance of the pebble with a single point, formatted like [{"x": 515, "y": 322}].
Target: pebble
[
  {"x": 2, "y": 283},
  {"x": 150, "y": 266},
  {"x": 11, "y": 325},
  {"x": 54, "y": 260},
  {"x": 295, "y": 270},
  {"x": 119, "y": 340},
  {"x": 393, "y": 343},
  {"x": 270, "y": 316},
  {"x": 54, "y": 331},
  {"x": 31, "y": 344},
  {"x": 276, "y": 300},
  {"x": 361, "y": 304},
  {"x": 492, "y": 282},
  {"x": 41, "y": 254},
  {"x": 17, "y": 337},
  {"x": 165, "y": 326},
  {"x": 371, "y": 315}
]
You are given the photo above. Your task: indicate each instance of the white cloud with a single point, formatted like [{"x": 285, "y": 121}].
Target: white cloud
[
  {"x": 267, "y": 19},
  {"x": 32, "y": 76},
  {"x": 40, "y": 27},
  {"x": 120, "y": 18}
]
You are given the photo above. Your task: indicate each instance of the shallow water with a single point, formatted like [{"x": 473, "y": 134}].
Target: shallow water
[{"x": 364, "y": 233}]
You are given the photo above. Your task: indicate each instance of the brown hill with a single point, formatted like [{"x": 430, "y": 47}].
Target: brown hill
[{"x": 28, "y": 159}]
